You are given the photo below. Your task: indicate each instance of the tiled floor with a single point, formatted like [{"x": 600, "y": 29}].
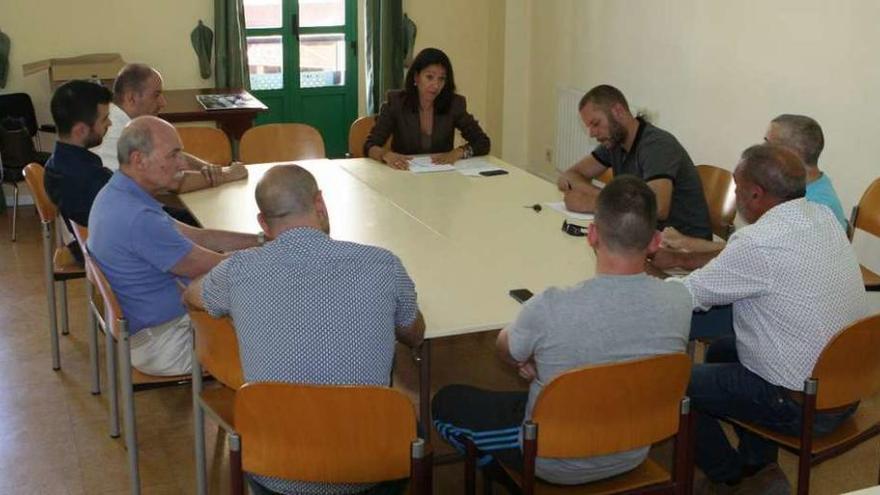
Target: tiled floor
[{"x": 54, "y": 434}]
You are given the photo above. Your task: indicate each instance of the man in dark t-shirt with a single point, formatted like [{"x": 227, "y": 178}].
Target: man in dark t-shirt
[{"x": 632, "y": 146}]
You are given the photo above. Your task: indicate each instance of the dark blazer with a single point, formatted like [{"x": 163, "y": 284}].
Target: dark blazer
[{"x": 396, "y": 120}]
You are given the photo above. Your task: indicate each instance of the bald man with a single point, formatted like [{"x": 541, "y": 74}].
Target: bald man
[
  {"x": 793, "y": 282},
  {"x": 144, "y": 252},
  {"x": 308, "y": 308}
]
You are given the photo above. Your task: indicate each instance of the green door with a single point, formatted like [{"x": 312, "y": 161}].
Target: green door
[{"x": 302, "y": 62}]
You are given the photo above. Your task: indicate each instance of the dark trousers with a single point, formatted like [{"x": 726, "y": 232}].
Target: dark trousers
[
  {"x": 712, "y": 324},
  {"x": 725, "y": 388},
  {"x": 491, "y": 419}
]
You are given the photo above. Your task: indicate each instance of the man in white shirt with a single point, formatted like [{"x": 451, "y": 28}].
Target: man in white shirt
[
  {"x": 793, "y": 282},
  {"x": 137, "y": 91}
]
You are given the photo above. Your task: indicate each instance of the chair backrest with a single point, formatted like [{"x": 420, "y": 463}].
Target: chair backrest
[
  {"x": 718, "y": 188},
  {"x": 19, "y": 105},
  {"x": 608, "y": 408},
  {"x": 281, "y": 143},
  {"x": 867, "y": 214},
  {"x": 217, "y": 348},
  {"x": 357, "y": 136},
  {"x": 208, "y": 143},
  {"x": 113, "y": 317},
  {"x": 325, "y": 433},
  {"x": 606, "y": 176},
  {"x": 33, "y": 175},
  {"x": 849, "y": 367}
]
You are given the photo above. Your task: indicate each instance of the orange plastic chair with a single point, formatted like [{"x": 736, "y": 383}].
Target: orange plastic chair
[
  {"x": 357, "y": 136},
  {"x": 208, "y": 143},
  {"x": 718, "y": 188},
  {"x": 130, "y": 379},
  {"x": 330, "y": 434},
  {"x": 866, "y": 216},
  {"x": 607, "y": 408},
  {"x": 280, "y": 143},
  {"x": 59, "y": 265},
  {"x": 215, "y": 351},
  {"x": 848, "y": 371}
]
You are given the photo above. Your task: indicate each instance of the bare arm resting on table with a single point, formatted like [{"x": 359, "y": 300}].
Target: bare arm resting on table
[
  {"x": 502, "y": 345},
  {"x": 218, "y": 240},
  {"x": 665, "y": 259},
  {"x": 673, "y": 239},
  {"x": 576, "y": 184},
  {"x": 209, "y": 175}
]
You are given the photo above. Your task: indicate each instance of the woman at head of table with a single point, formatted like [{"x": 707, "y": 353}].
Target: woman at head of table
[{"x": 423, "y": 116}]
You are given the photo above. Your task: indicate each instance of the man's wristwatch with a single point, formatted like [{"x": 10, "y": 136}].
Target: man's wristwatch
[{"x": 261, "y": 238}]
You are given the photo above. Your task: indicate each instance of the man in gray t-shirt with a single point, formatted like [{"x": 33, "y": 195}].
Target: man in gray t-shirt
[
  {"x": 562, "y": 329},
  {"x": 631, "y": 145}
]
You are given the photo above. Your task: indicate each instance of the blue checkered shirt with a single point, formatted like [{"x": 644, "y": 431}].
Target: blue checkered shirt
[{"x": 309, "y": 309}]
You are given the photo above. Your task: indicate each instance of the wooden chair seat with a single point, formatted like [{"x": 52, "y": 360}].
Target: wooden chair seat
[
  {"x": 647, "y": 474},
  {"x": 65, "y": 266},
  {"x": 139, "y": 378},
  {"x": 864, "y": 423},
  {"x": 871, "y": 279}
]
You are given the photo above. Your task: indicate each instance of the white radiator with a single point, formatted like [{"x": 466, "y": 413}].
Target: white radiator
[{"x": 572, "y": 142}]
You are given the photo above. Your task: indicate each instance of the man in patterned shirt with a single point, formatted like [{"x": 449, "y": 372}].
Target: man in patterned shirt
[
  {"x": 307, "y": 308},
  {"x": 793, "y": 281}
]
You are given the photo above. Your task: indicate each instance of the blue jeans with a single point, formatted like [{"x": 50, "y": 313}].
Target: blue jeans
[{"x": 725, "y": 388}]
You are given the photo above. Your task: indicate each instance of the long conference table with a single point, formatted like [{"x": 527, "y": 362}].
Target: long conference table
[{"x": 465, "y": 241}]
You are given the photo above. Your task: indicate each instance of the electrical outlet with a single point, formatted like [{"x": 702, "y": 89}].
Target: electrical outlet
[{"x": 548, "y": 155}]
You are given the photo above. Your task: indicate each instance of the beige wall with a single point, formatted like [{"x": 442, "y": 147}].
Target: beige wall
[
  {"x": 714, "y": 72},
  {"x": 154, "y": 32},
  {"x": 472, "y": 33}
]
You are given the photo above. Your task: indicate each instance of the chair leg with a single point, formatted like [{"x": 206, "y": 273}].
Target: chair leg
[
  {"x": 199, "y": 427},
  {"x": 112, "y": 381},
  {"x": 50, "y": 296},
  {"x": 93, "y": 339},
  {"x": 124, "y": 356},
  {"x": 236, "y": 476},
  {"x": 14, "y": 207},
  {"x": 65, "y": 327}
]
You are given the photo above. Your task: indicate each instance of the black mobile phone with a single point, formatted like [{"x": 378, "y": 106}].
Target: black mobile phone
[
  {"x": 521, "y": 295},
  {"x": 490, "y": 173}
]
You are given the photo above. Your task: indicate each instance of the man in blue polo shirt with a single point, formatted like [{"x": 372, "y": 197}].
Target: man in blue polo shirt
[{"x": 144, "y": 252}]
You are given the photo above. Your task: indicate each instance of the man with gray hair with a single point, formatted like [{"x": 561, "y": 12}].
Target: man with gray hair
[
  {"x": 803, "y": 135},
  {"x": 137, "y": 91},
  {"x": 793, "y": 282},
  {"x": 145, "y": 253},
  {"x": 307, "y": 308}
]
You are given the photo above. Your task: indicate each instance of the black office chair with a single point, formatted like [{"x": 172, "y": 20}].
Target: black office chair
[
  {"x": 16, "y": 151},
  {"x": 20, "y": 106}
]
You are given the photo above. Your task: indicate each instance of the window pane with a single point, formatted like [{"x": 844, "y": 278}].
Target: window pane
[
  {"x": 321, "y": 60},
  {"x": 262, "y": 13},
  {"x": 265, "y": 62},
  {"x": 313, "y": 13}
]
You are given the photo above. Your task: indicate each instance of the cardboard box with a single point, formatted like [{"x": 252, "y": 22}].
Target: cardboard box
[{"x": 103, "y": 66}]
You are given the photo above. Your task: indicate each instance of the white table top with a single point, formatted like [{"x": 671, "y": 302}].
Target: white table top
[{"x": 466, "y": 241}]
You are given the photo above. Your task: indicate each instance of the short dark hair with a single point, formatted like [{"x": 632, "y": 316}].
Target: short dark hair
[
  {"x": 776, "y": 169},
  {"x": 626, "y": 214},
  {"x": 603, "y": 96},
  {"x": 77, "y": 101},
  {"x": 426, "y": 57},
  {"x": 802, "y": 134},
  {"x": 131, "y": 78}
]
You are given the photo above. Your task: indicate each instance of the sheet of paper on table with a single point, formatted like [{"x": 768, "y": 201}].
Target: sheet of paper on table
[
  {"x": 422, "y": 165},
  {"x": 473, "y": 166},
  {"x": 560, "y": 207}
]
